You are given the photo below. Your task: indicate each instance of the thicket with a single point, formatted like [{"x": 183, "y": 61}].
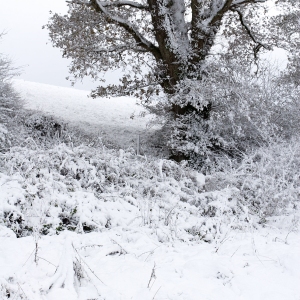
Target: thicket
[
  {"x": 85, "y": 189},
  {"x": 249, "y": 108}
]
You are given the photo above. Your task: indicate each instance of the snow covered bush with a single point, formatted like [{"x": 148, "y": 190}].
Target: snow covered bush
[
  {"x": 267, "y": 181},
  {"x": 3, "y": 134},
  {"x": 42, "y": 126},
  {"x": 83, "y": 189},
  {"x": 39, "y": 130},
  {"x": 86, "y": 189},
  {"x": 231, "y": 112}
]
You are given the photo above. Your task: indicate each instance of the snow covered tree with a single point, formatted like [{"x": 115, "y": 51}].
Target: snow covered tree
[
  {"x": 160, "y": 44},
  {"x": 9, "y": 99}
]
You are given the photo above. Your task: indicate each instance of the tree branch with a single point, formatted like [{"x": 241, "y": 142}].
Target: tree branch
[
  {"x": 229, "y": 5},
  {"x": 239, "y": 2},
  {"x": 219, "y": 15},
  {"x": 131, "y": 29},
  {"x": 249, "y": 32},
  {"x": 116, "y": 49},
  {"x": 124, "y": 3},
  {"x": 112, "y": 3},
  {"x": 120, "y": 49}
]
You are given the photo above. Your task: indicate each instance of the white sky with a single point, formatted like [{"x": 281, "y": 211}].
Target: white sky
[{"x": 26, "y": 41}]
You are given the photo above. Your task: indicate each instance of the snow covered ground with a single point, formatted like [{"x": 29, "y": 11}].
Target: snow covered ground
[
  {"x": 121, "y": 264},
  {"x": 110, "y": 117},
  {"x": 127, "y": 259}
]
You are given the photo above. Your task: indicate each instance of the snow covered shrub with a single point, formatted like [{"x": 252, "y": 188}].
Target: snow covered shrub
[
  {"x": 42, "y": 126},
  {"x": 221, "y": 212},
  {"x": 231, "y": 111},
  {"x": 10, "y": 102},
  {"x": 7, "y": 290},
  {"x": 3, "y": 134},
  {"x": 51, "y": 189},
  {"x": 86, "y": 189},
  {"x": 267, "y": 181},
  {"x": 44, "y": 131}
]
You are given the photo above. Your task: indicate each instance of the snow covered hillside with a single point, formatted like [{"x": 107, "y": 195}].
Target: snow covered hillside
[
  {"x": 110, "y": 117},
  {"x": 87, "y": 223}
]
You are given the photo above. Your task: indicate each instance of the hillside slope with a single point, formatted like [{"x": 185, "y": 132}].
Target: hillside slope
[{"x": 110, "y": 117}]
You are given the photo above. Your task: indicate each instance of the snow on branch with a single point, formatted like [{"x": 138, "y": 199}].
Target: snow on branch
[
  {"x": 80, "y": 2},
  {"x": 112, "y": 3},
  {"x": 117, "y": 49},
  {"x": 124, "y": 3},
  {"x": 131, "y": 29},
  {"x": 249, "y": 32},
  {"x": 219, "y": 11},
  {"x": 239, "y": 2},
  {"x": 120, "y": 49}
]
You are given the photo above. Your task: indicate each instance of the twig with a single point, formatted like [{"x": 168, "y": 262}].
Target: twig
[
  {"x": 235, "y": 251},
  {"x": 88, "y": 265},
  {"x": 152, "y": 276},
  {"x": 36, "y": 252},
  {"x": 47, "y": 261},
  {"x": 22, "y": 291},
  {"x": 28, "y": 258},
  {"x": 156, "y": 293},
  {"x": 151, "y": 252},
  {"x": 138, "y": 145},
  {"x": 92, "y": 246},
  {"x": 123, "y": 251},
  {"x": 169, "y": 213}
]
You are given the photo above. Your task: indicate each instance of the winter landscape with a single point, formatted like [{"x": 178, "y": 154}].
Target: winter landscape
[{"x": 181, "y": 181}]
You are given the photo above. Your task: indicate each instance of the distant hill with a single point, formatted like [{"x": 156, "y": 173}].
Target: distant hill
[{"x": 110, "y": 117}]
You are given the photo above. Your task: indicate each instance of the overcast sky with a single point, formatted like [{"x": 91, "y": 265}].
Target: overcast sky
[{"x": 26, "y": 42}]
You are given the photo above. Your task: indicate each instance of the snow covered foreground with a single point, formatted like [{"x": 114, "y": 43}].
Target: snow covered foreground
[
  {"x": 110, "y": 117},
  {"x": 121, "y": 264},
  {"x": 144, "y": 247}
]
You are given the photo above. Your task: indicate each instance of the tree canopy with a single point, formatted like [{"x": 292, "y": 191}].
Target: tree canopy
[{"x": 156, "y": 42}]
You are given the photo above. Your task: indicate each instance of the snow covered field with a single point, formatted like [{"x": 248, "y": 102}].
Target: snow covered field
[
  {"x": 110, "y": 117},
  {"x": 143, "y": 248}
]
